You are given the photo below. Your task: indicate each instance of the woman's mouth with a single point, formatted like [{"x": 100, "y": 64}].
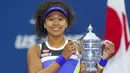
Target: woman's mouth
[{"x": 56, "y": 28}]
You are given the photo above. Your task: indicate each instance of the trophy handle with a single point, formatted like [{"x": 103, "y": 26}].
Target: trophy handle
[{"x": 78, "y": 49}]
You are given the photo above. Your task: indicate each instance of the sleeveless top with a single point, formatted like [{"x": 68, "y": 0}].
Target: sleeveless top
[{"x": 49, "y": 54}]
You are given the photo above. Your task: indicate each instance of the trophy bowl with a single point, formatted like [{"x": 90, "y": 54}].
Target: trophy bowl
[{"x": 91, "y": 51}]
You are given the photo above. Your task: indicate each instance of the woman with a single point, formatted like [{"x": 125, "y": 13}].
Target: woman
[{"x": 56, "y": 55}]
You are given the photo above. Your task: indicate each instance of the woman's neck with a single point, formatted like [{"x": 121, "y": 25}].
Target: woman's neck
[{"x": 56, "y": 42}]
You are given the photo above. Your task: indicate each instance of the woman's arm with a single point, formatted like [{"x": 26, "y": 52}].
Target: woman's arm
[{"x": 35, "y": 64}]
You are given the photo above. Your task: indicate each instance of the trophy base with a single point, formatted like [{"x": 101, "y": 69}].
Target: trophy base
[
  {"x": 90, "y": 67},
  {"x": 90, "y": 70}
]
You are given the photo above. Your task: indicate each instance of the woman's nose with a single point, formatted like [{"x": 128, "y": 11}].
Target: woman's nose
[{"x": 56, "y": 22}]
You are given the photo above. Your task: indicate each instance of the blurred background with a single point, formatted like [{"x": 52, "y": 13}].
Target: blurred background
[{"x": 17, "y": 27}]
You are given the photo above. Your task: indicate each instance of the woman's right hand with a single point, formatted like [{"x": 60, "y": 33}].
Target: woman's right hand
[{"x": 69, "y": 49}]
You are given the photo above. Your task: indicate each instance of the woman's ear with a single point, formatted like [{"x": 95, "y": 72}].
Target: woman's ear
[
  {"x": 66, "y": 24},
  {"x": 44, "y": 25}
]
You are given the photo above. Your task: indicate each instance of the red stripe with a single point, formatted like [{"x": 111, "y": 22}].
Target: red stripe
[
  {"x": 125, "y": 31},
  {"x": 113, "y": 30}
]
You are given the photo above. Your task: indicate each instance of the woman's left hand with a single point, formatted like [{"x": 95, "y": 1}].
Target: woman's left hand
[{"x": 108, "y": 50}]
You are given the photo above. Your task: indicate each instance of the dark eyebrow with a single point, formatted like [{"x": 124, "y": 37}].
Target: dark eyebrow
[{"x": 61, "y": 14}]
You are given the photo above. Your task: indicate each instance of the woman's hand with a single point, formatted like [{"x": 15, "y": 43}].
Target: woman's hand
[
  {"x": 69, "y": 49},
  {"x": 108, "y": 50}
]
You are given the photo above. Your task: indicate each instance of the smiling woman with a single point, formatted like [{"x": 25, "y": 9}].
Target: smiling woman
[
  {"x": 56, "y": 54},
  {"x": 44, "y": 11},
  {"x": 56, "y": 23}
]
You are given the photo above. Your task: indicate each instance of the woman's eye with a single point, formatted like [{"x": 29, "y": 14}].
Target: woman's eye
[
  {"x": 60, "y": 18},
  {"x": 50, "y": 19}
]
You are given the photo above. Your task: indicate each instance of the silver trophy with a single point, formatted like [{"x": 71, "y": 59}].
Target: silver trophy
[{"x": 91, "y": 51}]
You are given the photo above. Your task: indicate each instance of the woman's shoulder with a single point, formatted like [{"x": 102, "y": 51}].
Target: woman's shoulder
[{"x": 34, "y": 49}]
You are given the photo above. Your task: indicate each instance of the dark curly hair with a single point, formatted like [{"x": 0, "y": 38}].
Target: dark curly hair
[{"x": 39, "y": 16}]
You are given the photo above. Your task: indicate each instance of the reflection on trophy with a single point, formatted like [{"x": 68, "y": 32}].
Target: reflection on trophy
[{"x": 91, "y": 51}]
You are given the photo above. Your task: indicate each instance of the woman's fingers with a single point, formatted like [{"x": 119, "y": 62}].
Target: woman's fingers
[
  {"x": 82, "y": 66},
  {"x": 108, "y": 50},
  {"x": 110, "y": 47}
]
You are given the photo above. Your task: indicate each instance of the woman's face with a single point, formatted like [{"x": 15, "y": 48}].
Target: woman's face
[{"x": 55, "y": 23}]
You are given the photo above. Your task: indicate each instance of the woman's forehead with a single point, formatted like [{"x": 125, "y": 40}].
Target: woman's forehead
[{"x": 56, "y": 13}]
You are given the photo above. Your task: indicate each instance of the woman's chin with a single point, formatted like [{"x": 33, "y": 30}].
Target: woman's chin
[{"x": 56, "y": 34}]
